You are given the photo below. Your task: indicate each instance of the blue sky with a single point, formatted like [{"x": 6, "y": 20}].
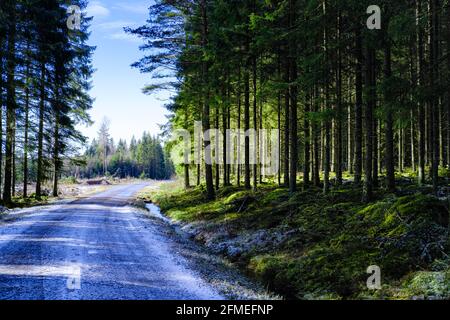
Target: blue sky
[{"x": 117, "y": 86}]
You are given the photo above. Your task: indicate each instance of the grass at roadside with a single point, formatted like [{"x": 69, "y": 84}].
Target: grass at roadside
[
  {"x": 20, "y": 202},
  {"x": 313, "y": 246}
]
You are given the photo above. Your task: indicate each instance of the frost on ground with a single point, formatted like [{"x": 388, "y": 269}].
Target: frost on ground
[{"x": 229, "y": 281}]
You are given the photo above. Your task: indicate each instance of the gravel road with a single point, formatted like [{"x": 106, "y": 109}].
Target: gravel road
[{"x": 100, "y": 247}]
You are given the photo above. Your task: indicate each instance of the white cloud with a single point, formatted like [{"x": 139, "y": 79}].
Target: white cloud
[
  {"x": 96, "y": 9},
  {"x": 137, "y": 8},
  {"x": 113, "y": 30},
  {"x": 121, "y": 35}
]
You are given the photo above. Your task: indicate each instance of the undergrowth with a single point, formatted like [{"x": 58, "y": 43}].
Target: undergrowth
[{"x": 336, "y": 237}]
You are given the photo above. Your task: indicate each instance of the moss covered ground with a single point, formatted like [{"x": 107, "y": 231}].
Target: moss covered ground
[{"x": 330, "y": 240}]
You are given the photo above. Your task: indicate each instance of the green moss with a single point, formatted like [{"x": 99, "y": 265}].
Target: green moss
[
  {"x": 428, "y": 284},
  {"x": 277, "y": 272},
  {"x": 336, "y": 237},
  {"x": 20, "y": 202}
]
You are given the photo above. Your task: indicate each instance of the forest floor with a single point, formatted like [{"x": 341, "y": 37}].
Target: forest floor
[{"x": 309, "y": 245}]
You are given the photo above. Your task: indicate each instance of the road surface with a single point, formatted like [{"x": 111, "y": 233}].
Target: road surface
[{"x": 94, "y": 248}]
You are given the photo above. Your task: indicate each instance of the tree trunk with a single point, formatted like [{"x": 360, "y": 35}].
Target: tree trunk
[
  {"x": 1, "y": 115},
  {"x": 368, "y": 183},
  {"x": 279, "y": 121},
  {"x": 13, "y": 167},
  {"x": 447, "y": 132},
  {"x": 375, "y": 153},
  {"x": 255, "y": 124},
  {"x": 26, "y": 129},
  {"x": 434, "y": 103},
  {"x": 224, "y": 136},
  {"x": 10, "y": 105},
  {"x": 420, "y": 82},
  {"x": 327, "y": 134},
  {"x": 307, "y": 138},
  {"x": 350, "y": 137},
  {"x": 186, "y": 157},
  {"x": 389, "y": 126},
  {"x": 339, "y": 136},
  {"x": 206, "y": 107},
  {"x": 286, "y": 125},
  {"x": 40, "y": 160},
  {"x": 56, "y": 162},
  {"x": 316, "y": 141},
  {"x": 228, "y": 150},
  {"x": 247, "y": 177},
  {"x": 216, "y": 149},
  {"x": 239, "y": 102},
  {"x": 293, "y": 154},
  {"x": 413, "y": 145},
  {"x": 358, "y": 108}
]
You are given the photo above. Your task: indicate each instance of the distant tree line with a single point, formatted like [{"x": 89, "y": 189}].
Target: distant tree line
[
  {"x": 45, "y": 70},
  {"x": 144, "y": 158},
  {"x": 347, "y": 98}
]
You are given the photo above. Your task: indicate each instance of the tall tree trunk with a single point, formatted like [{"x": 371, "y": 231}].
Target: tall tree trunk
[
  {"x": 375, "y": 153},
  {"x": 327, "y": 133},
  {"x": 441, "y": 130},
  {"x": 434, "y": 103},
  {"x": 420, "y": 82},
  {"x": 358, "y": 108},
  {"x": 293, "y": 107},
  {"x": 339, "y": 136},
  {"x": 228, "y": 147},
  {"x": 239, "y": 102},
  {"x": 13, "y": 167},
  {"x": 447, "y": 132},
  {"x": 413, "y": 142},
  {"x": 368, "y": 183},
  {"x": 247, "y": 123},
  {"x": 199, "y": 151},
  {"x": 216, "y": 149},
  {"x": 286, "y": 125},
  {"x": 224, "y": 135},
  {"x": 27, "y": 125},
  {"x": 279, "y": 121},
  {"x": 1, "y": 116},
  {"x": 10, "y": 104},
  {"x": 56, "y": 127},
  {"x": 350, "y": 137},
  {"x": 389, "y": 126},
  {"x": 198, "y": 174},
  {"x": 316, "y": 141},
  {"x": 186, "y": 157},
  {"x": 56, "y": 161},
  {"x": 307, "y": 138},
  {"x": 261, "y": 145},
  {"x": 206, "y": 107},
  {"x": 255, "y": 124},
  {"x": 379, "y": 149},
  {"x": 413, "y": 113},
  {"x": 40, "y": 159}
]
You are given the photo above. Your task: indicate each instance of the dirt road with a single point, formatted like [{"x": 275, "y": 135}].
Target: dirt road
[{"x": 99, "y": 247}]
